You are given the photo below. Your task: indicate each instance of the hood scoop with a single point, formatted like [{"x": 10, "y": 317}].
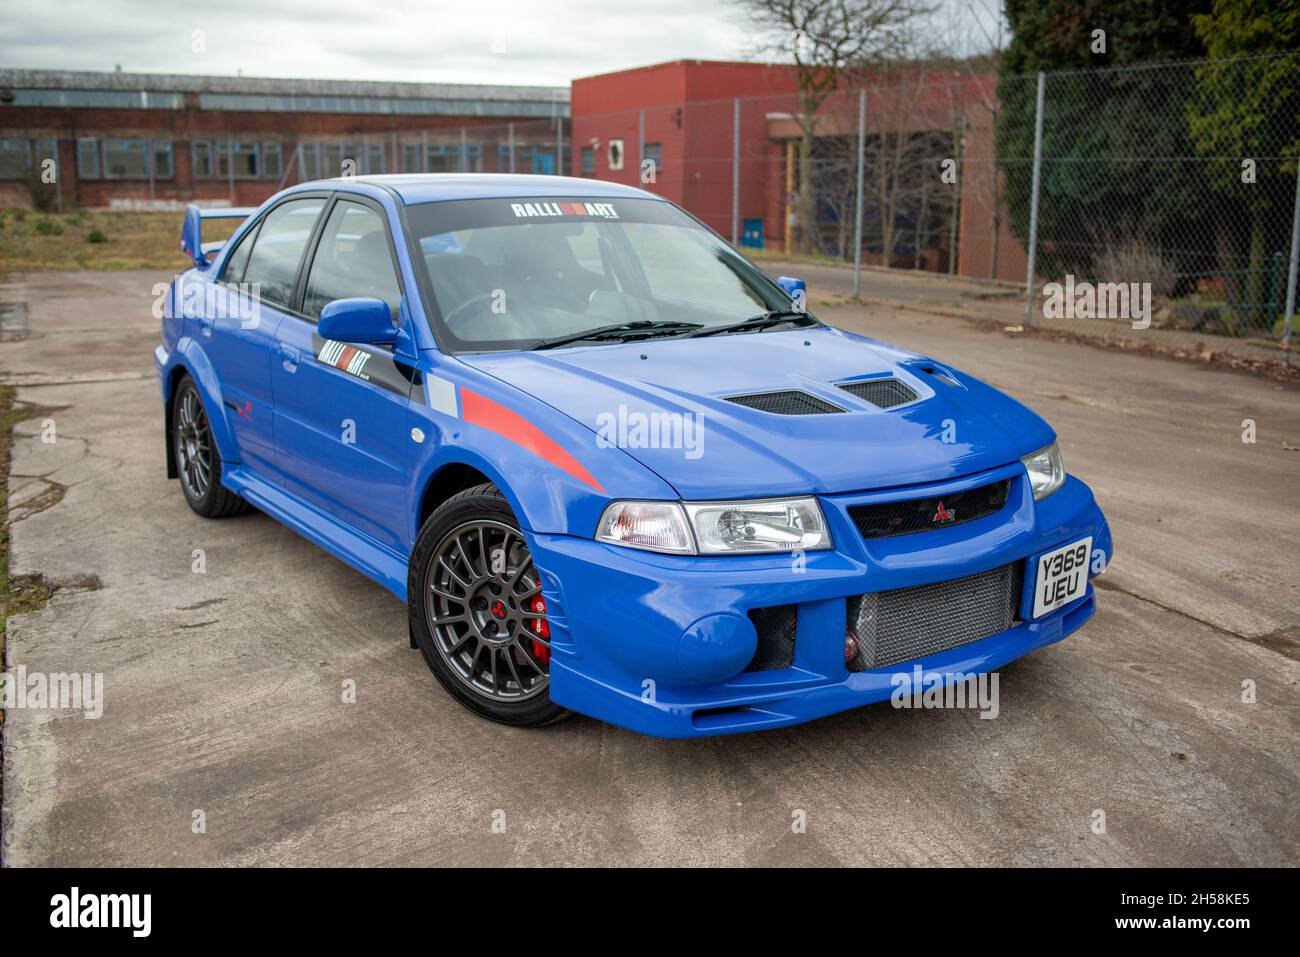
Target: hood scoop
[
  {"x": 789, "y": 402},
  {"x": 882, "y": 393}
]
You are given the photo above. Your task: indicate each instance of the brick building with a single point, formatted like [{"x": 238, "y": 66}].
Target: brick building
[{"x": 136, "y": 139}]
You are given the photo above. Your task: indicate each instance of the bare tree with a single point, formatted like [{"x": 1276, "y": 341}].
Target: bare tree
[{"x": 829, "y": 41}]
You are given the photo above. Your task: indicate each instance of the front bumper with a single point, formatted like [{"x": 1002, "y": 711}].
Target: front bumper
[{"x": 658, "y": 643}]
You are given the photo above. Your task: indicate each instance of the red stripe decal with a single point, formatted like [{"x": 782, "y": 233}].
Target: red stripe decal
[
  {"x": 481, "y": 410},
  {"x": 345, "y": 357}
]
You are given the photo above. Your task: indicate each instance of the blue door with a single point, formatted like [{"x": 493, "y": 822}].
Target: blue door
[
  {"x": 340, "y": 408},
  {"x": 237, "y": 326}
]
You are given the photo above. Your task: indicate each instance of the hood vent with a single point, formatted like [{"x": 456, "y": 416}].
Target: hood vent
[
  {"x": 883, "y": 393},
  {"x": 785, "y": 403}
]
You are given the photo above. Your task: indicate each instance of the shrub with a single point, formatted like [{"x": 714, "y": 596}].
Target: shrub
[
  {"x": 1135, "y": 261},
  {"x": 48, "y": 227},
  {"x": 96, "y": 236}
]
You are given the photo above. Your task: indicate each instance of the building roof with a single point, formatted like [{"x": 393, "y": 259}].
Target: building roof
[{"x": 275, "y": 86}]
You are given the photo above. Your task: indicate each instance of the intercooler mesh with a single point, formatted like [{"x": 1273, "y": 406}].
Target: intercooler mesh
[{"x": 910, "y": 623}]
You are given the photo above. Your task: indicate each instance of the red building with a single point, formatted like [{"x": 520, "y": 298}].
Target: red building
[
  {"x": 682, "y": 115},
  {"x": 679, "y": 121}
]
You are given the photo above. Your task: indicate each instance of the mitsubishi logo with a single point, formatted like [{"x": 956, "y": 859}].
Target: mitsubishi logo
[{"x": 943, "y": 514}]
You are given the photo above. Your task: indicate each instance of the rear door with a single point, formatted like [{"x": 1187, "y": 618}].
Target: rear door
[
  {"x": 340, "y": 408},
  {"x": 238, "y": 328}
]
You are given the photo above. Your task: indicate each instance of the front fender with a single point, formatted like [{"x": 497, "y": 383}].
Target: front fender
[{"x": 555, "y": 475}]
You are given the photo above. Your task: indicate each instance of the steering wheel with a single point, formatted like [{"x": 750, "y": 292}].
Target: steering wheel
[{"x": 482, "y": 297}]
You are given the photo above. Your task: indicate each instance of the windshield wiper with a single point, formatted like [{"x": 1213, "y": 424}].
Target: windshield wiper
[
  {"x": 620, "y": 330},
  {"x": 774, "y": 318}
]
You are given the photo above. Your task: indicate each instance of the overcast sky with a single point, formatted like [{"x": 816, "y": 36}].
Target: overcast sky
[{"x": 467, "y": 41}]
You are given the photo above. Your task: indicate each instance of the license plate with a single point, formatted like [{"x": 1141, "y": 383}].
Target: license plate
[{"x": 1061, "y": 576}]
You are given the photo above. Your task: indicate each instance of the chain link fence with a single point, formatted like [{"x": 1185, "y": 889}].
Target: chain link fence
[{"x": 1178, "y": 177}]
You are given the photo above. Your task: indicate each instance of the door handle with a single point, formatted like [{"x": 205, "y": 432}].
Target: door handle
[{"x": 290, "y": 355}]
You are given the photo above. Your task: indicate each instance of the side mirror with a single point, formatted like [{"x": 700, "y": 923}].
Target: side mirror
[
  {"x": 796, "y": 289},
  {"x": 366, "y": 321}
]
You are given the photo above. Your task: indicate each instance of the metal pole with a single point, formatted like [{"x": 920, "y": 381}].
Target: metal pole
[
  {"x": 464, "y": 152},
  {"x": 230, "y": 168},
  {"x": 1295, "y": 260},
  {"x": 510, "y": 144},
  {"x": 1033, "y": 203},
  {"x": 857, "y": 215},
  {"x": 955, "y": 211},
  {"x": 559, "y": 143},
  {"x": 640, "y": 144},
  {"x": 735, "y": 174},
  {"x": 424, "y": 151}
]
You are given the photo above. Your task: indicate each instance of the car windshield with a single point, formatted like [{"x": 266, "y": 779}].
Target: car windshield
[{"x": 531, "y": 273}]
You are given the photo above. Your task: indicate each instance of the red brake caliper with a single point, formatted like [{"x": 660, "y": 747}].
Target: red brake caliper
[{"x": 539, "y": 626}]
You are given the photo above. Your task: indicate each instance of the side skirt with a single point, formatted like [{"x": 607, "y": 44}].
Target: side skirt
[{"x": 367, "y": 556}]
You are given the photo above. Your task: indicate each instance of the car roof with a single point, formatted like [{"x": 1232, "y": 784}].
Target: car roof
[{"x": 415, "y": 188}]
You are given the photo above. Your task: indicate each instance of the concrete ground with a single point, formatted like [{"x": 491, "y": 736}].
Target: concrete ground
[{"x": 224, "y": 687}]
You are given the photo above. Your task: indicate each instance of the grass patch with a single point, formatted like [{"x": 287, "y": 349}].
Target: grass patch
[
  {"x": 106, "y": 240},
  {"x": 17, "y": 595}
]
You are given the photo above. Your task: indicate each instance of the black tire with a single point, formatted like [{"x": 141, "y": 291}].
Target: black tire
[
  {"x": 197, "y": 463},
  {"x": 475, "y": 608}
]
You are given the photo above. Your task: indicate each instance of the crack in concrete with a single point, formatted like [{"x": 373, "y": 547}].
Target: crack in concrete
[{"x": 1284, "y": 641}]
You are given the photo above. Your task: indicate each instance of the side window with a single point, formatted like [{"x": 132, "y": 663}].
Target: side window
[
  {"x": 352, "y": 260},
  {"x": 277, "y": 251},
  {"x": 234, "y": 271}
]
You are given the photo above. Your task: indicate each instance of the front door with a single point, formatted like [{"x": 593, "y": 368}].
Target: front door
[{"x": 340, "y": 408}]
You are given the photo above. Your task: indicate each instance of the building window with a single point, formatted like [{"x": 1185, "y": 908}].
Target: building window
[
  {"x": 588, "y": 159},
  {"x": 15, "y": 159},
  {"x": 444, "y": 159},
  {"x": 374, "y": 159},
  {"x": 411, "y": 158},
  {"x": 126, "y": 159},
  {"x": 201, "y": 160},
  {"x": 163, "y": 168},
  {"x": 272, "y": 161},
  {"x": 244, "y": 163},
  {"x": 309, "y": 158},
  {"x": 88, "y": 159},
  {"x": 332, "y": 156},
  {"x": 654, "y": 152}
]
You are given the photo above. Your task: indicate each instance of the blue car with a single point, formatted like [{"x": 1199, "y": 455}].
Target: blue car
[{"x": 611, "y": 466}]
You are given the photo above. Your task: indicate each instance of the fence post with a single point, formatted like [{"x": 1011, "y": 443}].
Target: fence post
[
  {"x": 958, "y": 186},
  {"x": 559, "y": 143},
  {"x": 1033, "y": 203},
  {"x": 510, "y": 144},
  {"x": 464, "y": 152},
  {"x": 640, "y": 143},
  {"x": 857, "y": 215},
  {"x": 735, "y": 174},
  {"x": 1295, "y": 260}
]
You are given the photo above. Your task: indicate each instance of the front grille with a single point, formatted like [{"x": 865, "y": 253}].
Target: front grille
[
  {"x": 885, "y": 393},
  {"x": 776, "y": 628},
  {"x": 785, "y": 403},
  {"x": 909, "y": 623},
  {"x": 887, "y": 519}
]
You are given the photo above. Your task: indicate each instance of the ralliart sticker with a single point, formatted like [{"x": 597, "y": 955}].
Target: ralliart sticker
[{"x": 541, "y": 210}]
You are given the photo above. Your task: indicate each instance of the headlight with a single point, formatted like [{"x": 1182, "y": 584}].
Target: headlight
[
  {"x": 1046, "y": 472},
  {"x": 771, "y": 525},
  {"x": 766, "y": 525}
]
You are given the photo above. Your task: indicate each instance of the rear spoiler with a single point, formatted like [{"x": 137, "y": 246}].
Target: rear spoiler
[{"x": 192, "y": 230}]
